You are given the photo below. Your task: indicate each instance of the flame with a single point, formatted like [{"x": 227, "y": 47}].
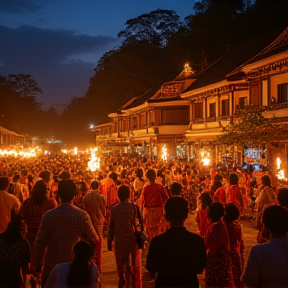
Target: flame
[
  {"x": 164, "y": 153},
  {"x": 94, "y": 162},
  {"x": 206, "y": 161}
]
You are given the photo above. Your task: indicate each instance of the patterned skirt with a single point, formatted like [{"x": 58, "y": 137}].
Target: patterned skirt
[{"x": 218, "y": 270}]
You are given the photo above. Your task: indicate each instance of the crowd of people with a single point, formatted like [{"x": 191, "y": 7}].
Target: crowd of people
[{"x": 55, "y": 214}]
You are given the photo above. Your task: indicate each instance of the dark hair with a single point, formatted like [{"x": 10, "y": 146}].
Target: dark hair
[
  {"x": 233, "y": 179},
  {"x": 113, "y": 176},
  {"x": 123, "y": 192},
  {"x": 45, "y": 175},
  {"x": 66, "y": 190},
  {"x": 139, "y": 173},
  {"x": 216, "y": 211},
  {"x": 15, "y": 178},
  {"x": 218, "y": 177},
  {"x": 176, "y": 209},
  {"x": 94, "y": 185},
  {"x": 282, "y": 196},
  {"x": 39, "y": 192},
  {"x": 275, "y": 218},
  {"x": 14, "y": 229},
  {"x": 176, "y": 188},
  {"x": 205, "y": 199},
  {"x": 231, "y": 213},
  {"x": 151, "y": 175},
  {"x": 79, "y": 274},
  {"x": 266, "y": 180},
  {"x": 216, "y": 185},
  {"x": 4, "y": 183}
]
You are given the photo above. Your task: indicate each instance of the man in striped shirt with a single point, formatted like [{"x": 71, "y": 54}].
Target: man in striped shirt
[{"x": 60, "y": 228}]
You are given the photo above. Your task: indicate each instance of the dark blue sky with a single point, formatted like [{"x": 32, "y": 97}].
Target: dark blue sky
[{"x": 59, "y": 42}]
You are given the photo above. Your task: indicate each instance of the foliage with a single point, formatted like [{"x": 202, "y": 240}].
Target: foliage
[
  {"x": 155, "y": 27},
  {"x": 251, "y": 129}
]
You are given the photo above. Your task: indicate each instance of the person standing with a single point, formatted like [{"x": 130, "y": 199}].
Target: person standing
[
  {"x": 154, "y": 197},
  {"x": 176, "y": 256},
  {"x": 80, "y": 272},
  {"x": 267, "y": 263},
  {"x": 14, "y": 255},
  {"x": 8, "y": 203},
  {"x": 234, "y": 194},
  {"x": 235, "y": 241},
  {"x": 218, "y": 271},
  {"x": 32, "y": 210},
  {"x": 60, "y": 228},
  {"x": 94, "y": 204},
  {"x": 121, "y": 231}
]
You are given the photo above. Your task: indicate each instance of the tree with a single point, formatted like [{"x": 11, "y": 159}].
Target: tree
[
  {"x": 155, "y": 27},
  {"x": 23, "y": 84},
  {"x": 253, "y": 129}
]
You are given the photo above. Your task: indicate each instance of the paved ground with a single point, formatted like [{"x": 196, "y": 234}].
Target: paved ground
[{"x": 110, "y": 280}]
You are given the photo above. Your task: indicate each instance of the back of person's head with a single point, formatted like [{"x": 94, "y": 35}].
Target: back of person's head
[
  {"x": 275, "y": 219},
  {"x": 216, "y": 186},
  {"x": 266, "y": 181},
  {"x": 216, "y": 211},
  {"x": 205, "y": 199},
  {"x": 94, "y": 185},
  {"x": 81, "y": 187},
  {"x": 16, "y": 178},
  {"x": 66, "y": 190},
  {"x": 123, "y": 192},
  {"x": 39, "y": 192},
  {"x": 218, "y": 177},
  {"x": 14, "y": 229},
  {"x": 282, "y": 196},
  {"x": 113, "y": 176},
  {"x": 176, "y": 188},
  {"x": 176, "y": 209},
  {"x": 151, "y": 175},
  {"x": 79, "y": 273},
  {"x": 231, "y": 213},
  {"x": 139, "y": 173},
  {"x": 233, "y": 179},
  {"x": 4, "y": 183},
  {"x": 45, "y": 175}
]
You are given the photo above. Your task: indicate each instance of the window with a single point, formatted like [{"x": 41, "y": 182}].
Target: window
[
  {"x": 143, "y": 120},
  {"x": 282, "y": 93},
  {"x": 255, "y": 93},
  {"x": 198, "y": 111},
  {"x": 175, "y": 116},
  {"x": 225, "y": 107},
  {"x": 242, "y": 102},
  {"x": 212, "y": 110},
  {"x": 157, "y": 117}
]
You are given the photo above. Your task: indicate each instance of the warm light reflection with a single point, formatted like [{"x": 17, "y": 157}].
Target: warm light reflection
[
  {"x": 94, "y": 162},
  {"x": 164, "y": 155}
]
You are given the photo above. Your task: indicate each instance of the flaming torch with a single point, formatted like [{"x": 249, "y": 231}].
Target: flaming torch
[
  {"x": 280, "y": 172},
  {"x": 164, "y": 153},
  {"x": 94, "y": 162}
]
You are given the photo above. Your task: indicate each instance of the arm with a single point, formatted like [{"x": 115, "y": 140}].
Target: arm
[
  {"x": 89, "y": 233},
  {"x": 111, "y": 231},
  {"x": 41, "y": 242}
]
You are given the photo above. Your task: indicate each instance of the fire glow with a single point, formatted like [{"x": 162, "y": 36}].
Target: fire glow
[
  {"x": 280, "y": 172},
  {"x": 94, "y": 162},
  {"x": 164, "y": 155}
]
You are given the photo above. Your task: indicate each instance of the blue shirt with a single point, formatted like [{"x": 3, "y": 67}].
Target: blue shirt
[{"x": 267, "y": 265}]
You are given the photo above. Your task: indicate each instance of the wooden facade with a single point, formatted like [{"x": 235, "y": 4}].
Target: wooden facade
[{"x": 193, "y": 109}]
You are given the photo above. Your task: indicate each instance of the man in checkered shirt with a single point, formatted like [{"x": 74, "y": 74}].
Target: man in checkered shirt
[{"x": 60, "y": 228}]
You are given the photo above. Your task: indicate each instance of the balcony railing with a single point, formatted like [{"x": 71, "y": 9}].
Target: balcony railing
[{"x": 277, "y": 106}]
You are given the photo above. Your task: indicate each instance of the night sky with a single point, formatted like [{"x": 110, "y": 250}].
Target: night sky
[{"x": 59, "y": 42}]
